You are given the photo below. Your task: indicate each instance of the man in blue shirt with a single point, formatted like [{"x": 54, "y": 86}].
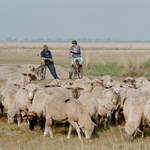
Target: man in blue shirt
[
  {"x": 76, "y": 54},
  {"x": 47, "y": 58}
]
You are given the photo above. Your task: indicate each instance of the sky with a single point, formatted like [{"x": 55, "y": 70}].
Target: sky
[{"x": 50, "y": 19}]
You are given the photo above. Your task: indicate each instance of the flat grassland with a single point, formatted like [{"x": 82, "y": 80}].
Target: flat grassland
[{"x": 15, "y": 58}]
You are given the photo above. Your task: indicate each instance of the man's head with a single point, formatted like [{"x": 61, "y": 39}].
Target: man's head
[
  {"x": 74, "y": 43},
  {"x": 45, "y": 47}
]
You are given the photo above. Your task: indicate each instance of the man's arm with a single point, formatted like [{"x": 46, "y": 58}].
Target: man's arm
[{"x": 75, "y": 51}]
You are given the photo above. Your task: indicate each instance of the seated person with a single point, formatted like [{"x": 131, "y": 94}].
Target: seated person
[{"x": 47, "y": 59}]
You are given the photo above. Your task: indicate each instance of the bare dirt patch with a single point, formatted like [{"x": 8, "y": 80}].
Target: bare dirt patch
[{"x": 14, "y": 70}]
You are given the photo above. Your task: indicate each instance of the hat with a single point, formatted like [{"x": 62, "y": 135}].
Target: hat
[
  {"x": 45, "y": 47},
  {"x": 74, "y": 42}
]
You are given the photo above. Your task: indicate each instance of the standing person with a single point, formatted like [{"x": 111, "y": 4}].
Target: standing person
[
  {"x": 76, "y": 54},
  {"x": 47, "y": 60}
]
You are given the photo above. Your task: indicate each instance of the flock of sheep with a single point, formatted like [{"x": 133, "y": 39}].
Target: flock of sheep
[{"x": 84, "y": 103}]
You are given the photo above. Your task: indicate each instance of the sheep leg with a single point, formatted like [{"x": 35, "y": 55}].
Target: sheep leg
[
  {"x": 69, "y": 132},
  {"x": 48, "y": 127},
  {"x": 8, "y": 119},
  {"x": 46, "y": 130},
  {"x": 2, "y": 107},
  {"x": 75, "y": 125},
  {"x": 117, "y": 113},
  {"x": 19, "y": 118},
  {"x": 105, "y": 123}
]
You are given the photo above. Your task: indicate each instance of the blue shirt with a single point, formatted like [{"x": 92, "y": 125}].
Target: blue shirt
[
  {"x": 77, "y": 48},
  {"x": 43, "y": 54}
]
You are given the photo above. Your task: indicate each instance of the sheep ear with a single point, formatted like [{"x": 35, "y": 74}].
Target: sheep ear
[
  {"x": 94, "y": 124},
  {"x": 32, "y": 76},
  {"x": 69, "y": 88},
  {"x": 52, "y": 86},
  {"x": 47, "y": 86},
  {"x": 23, "y": 88},
  {"x": 29, "y": 66},
  {"x": 25, "y": 74},
  {"x": 125, "y": 81},
  {"x": 81, "y": 89}
]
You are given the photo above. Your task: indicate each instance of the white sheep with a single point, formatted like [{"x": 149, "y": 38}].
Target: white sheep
[
  {"x": 133, "y": 110},
  {"x": 63, "y": 109},
  {"x": 105, "y": 111},
  {"x": 9, "y": 104},
  {"x": 91, "y": 105},
  {"x": 24, "y": 98},
  {"x": 133, "y": 113},
  {"x": 23, "y": 81},
  {"x": 36, "y": 110}
]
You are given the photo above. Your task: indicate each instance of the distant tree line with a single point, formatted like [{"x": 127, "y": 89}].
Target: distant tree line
[{"x": 81, "y": 40}]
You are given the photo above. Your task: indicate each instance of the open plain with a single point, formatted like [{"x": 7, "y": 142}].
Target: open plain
[{"x": 15, "y": 58}]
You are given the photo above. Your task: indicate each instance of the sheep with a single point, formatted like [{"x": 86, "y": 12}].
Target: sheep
[
  {"x": 24, "y": 98},
  {"x": 67, "y": 82},
  {"x": 56, "y": 82},
  {"x": 75, "y": 91},
  {"x": 32, "y": 68},
  {"x": 8, "y": 89},
  {"x": 84, "y": 80},
  {"x": 9, "y": 104},
  {"x": 113, "y": 95},
  {"x": 62, "y": 109},
  {"x": 36, "y": 110},
  {"x": 36, "y": 72},
  {"x": 91, "y": 105},
  {"x": 129, "y": 82},
  {"x": 133, "y": 114},
  {"x": 23, "y": 81},
  {"x": 147, "y": 112},
  {"x": 106, "y": 81},
  {"x": 105, "y": 110}
]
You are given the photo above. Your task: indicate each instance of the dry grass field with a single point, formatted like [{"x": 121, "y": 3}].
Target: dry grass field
[{"x": 15, "y": 58}]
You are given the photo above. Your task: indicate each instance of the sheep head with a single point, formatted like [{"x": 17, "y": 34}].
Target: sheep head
[{"x": 32, "y": 117}]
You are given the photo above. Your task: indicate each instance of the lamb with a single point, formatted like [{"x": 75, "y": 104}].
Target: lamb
[
  {"x": 105, "y": 111},
  {"x": 91, "y": 105},
  {"x": 24, "y": 98},
  {"x": 36, "y": 110},
  {"x": 63, "y": 109},
  {"x": 23, "y": 81}
]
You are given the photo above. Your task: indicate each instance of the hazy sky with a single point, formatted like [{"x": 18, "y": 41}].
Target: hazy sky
[{"x": 49, "y": 19}]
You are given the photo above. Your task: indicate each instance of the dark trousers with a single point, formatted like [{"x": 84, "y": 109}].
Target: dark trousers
[{"x": 51, "y": 68}]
